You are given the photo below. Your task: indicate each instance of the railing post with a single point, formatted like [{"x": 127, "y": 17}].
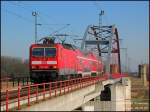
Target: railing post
[
  {"x": 27, "y": 80},
  {"x": 75, "y": 83},
  {"x": 19, "y": 97},
  {"x": 43, "y": 90},
  {"x": 78, "y": 83},
  {"x": 28, "y": 95},
  {"x": 7, "y": 100},
  {"x": 7, "y": 81},
  {"x": 82, "y": 82},
  {"x": 13, "y": 82},
  {"x": 60, "y": 86},
  {"x": 86, "y": 82},
  {"x": 55, "y": 87},
  {"x": 23, "y": 81},
  {"x": 68, "y": 85},
  {"x": 50, "y": 89},
  {"x": 71, "y": 84},
  {"x": 64, "y": 86},
  {"x": 36, "y": 92},
  {"x": 91, "y": 81},
  {"x": 75, "y": 86},
  {"x": 18, "y": 81}
]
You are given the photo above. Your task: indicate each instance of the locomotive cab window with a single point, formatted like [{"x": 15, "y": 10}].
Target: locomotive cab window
[
  {"x": 38, "y": 52},
  {"x": 50, "y": 52}
]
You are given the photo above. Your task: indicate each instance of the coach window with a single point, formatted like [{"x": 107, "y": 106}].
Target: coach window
[
  {"x": 50, "y": 52},
  {"x": 38, "y": 52}
]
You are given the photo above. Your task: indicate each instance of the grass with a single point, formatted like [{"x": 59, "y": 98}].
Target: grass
[{"x": 139, "y": 94}]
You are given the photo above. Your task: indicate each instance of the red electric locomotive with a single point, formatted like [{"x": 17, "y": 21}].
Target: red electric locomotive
[{"x": 51, "y": 61}]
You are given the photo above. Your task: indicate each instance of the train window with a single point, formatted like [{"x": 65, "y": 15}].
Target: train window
[
  {"x": 38, "y": 52},
  {"x": 50, "y": 52}
]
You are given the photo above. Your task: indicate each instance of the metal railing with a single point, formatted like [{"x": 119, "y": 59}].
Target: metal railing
[
  {"x": 54, "y": 89},
  {"x": 57, "y": 88}
]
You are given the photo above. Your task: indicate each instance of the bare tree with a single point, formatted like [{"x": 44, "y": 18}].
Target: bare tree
[{"x": 13, "y": 65}]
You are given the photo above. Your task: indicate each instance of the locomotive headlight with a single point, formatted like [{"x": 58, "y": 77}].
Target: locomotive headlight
[
  {"x": 33, "y": 67},
  {"x": 54, "y": 66}
]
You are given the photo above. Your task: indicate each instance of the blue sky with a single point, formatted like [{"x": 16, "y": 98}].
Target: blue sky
[{"x": 131, "y": 19}]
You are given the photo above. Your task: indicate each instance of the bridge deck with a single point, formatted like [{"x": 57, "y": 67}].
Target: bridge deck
[{"x": 55, "y": 91}]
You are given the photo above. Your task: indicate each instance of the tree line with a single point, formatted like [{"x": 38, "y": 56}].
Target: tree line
[{"x": 14, "y": 66}]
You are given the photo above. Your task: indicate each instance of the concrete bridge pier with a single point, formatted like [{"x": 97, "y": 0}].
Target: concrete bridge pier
[
  {"x": 114, "y": 97},
  {"x": 121, "y": 96}
]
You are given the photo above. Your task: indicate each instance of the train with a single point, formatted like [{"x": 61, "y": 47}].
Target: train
[{"x": 50, "y": 61}]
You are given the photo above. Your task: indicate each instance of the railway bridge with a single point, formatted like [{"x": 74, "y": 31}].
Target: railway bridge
[
  {"x": 72, "y": 94},
  {"x": 82, "y": 92}
]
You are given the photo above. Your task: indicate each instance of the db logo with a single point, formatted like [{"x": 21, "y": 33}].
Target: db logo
[{"x": 44, "y": 62}]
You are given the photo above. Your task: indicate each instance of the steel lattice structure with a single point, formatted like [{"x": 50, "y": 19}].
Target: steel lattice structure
[{"x": 103, "y": 41}]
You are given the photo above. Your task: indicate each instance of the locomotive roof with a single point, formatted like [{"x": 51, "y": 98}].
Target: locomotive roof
[{"x": 65, "y": 45}]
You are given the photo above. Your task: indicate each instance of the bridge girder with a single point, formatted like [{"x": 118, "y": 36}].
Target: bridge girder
[{"x": 105, "y": 41}]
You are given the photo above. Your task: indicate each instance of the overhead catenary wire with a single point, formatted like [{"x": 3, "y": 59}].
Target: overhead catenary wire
[
  {"x": 43, "y": 14},
  {"x": 26, "y": 9},
  {"x": 42, "y": 18},
  {"x": 31, "y": 10},
  {"x": 60, "y": 29},
  {"x": 17, "y": 15},
  {"x": 44, "y": 22}
]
